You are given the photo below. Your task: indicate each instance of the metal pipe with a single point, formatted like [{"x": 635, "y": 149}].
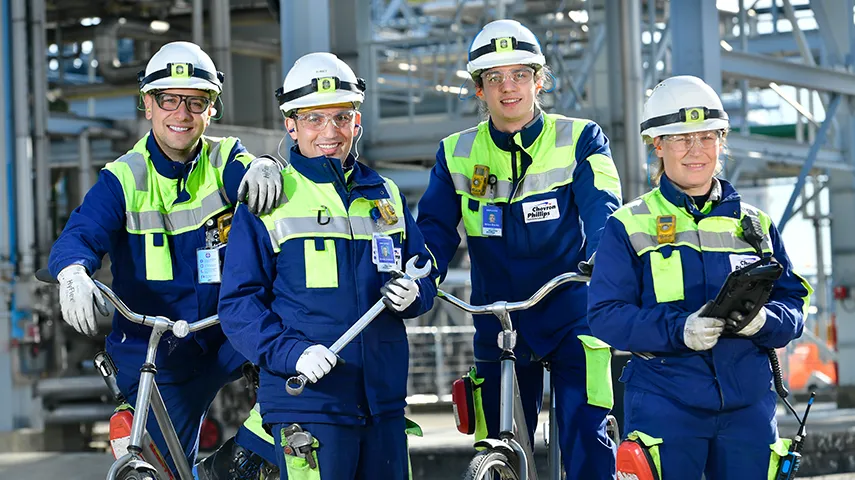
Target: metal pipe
[
  {"x": 84, "y": 175},
  {"x": 743, "y": 84},
  {"x": 821, "y": 279},
  {"x": 630, "y": 22},
  {"x": 221, "y": 34},
  {"x": 169, "y": 435},
  {"x": 23, "y": 141},
  {"x": 198, "y": 22},
  {"x": 506, "y": 401},
  {"x": 554, "y": 452},
  {"x": 811, "y": 158},
  {"x": 44, "y": 221}
]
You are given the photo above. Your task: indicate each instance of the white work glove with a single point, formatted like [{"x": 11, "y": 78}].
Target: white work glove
[
  {"x": 315, "y": 362},
  {"x": 77, "y": 294},
  {"x": 261, "y": 186},
  {"x": 701, "y": 333},
  {"x": 399, "y": 293},
  {"x": 754, "y": 325}
]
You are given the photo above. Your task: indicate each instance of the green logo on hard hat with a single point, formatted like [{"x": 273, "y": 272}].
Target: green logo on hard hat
[
  {"x": 179, "y": 70},
  {"x": 326, "y": 85},
  {"x": 504, "y": 44},
  {"x": 694, "y": 115}
]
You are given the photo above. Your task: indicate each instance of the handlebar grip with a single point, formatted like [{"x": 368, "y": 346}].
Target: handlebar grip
[
  {"x": 43, "y": 275},
  {"x": 295, "y": 384}
]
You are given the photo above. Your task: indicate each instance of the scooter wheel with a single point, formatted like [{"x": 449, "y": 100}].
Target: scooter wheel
[{"x": 138, "y": 474}]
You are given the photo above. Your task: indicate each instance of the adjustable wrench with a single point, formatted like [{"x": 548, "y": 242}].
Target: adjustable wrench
[{"x": 295, "y": 384}]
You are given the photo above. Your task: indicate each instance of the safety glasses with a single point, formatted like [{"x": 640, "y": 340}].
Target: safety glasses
[
  {"x": 317, "y": 121},
  {"x": 684, "y": 143},
  {"x": 520, "y": 76}
]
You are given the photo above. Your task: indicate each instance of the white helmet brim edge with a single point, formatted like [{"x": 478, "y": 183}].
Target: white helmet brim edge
[
  {"x": 183, "y": 72},
  {"x": 685, "y": 120},
  {"x": 320, "y": 86}
]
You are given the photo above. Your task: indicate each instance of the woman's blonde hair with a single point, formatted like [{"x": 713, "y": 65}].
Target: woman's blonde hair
[{"x": 657, "y": 168}]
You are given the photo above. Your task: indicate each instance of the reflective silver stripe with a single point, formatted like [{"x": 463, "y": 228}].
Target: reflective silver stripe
[
  {"x": 367, "y": 225},
  {"x": 291, "y": 226},
  {"x": 702, "y": 240},
  {"x": 136, "y": 162},
  {"x": 563, "y": 132},
  {"x": 178, "y": 220},
  {"x": 462, "y": 183},
  {"x": 639, "y": 207},
  {"x": 464, "y": 143},
  {"x": 214, "y": 156},
  {"x": 641, "y": 240},
  {"x": 540, "y": 182}
]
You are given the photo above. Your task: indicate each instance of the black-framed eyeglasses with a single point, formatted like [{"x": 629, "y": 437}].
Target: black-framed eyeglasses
[
  {"x": 171, "y": 101},
  {"x": 318, "y": 121}
]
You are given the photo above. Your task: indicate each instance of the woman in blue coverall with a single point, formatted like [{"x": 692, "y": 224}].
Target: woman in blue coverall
[
  {"x": 533, "y": 191},
  {"x": 149, "y": 210},
  {"x": 296, "y": 279},
  {"x": 700, "y": 401}
]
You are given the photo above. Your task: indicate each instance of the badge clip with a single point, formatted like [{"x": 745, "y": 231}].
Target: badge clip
[
  {"x": 666, "y": 231},
  {"x": 387, "y": 211}
]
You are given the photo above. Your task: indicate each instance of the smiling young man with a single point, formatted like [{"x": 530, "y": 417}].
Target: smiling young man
[
  {"x": 156, "y": 211},
  {"x": 533, "y": 191},
  {"x": 296, "y": 279}
]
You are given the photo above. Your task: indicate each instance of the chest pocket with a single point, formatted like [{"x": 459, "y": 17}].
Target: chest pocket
[
  {"x": 158, "y": 261},
  {"x": 321, "y": 263},
  {"x": 536, "y": 223},
  {"x": 667, "y": 275}
]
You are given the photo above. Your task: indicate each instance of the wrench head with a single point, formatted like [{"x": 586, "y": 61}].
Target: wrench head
[{"x": 414, "y": 273}]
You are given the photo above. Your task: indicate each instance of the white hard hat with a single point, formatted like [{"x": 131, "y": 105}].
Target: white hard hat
[
  {"x": 504, "y": 42},
  {"x": 682, "y": 104},
  {"x": 318, "y": 79},
  {"x": 181, "y": 65}
]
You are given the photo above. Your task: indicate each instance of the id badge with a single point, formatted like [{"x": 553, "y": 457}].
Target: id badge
[
  {"x": 491, "y": 221},
  {"x": 383, "y": 252},
  {"x": 208, "y": 265}
]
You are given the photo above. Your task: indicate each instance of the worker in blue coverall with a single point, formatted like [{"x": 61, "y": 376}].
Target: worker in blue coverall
[
  {"x": 155, "y": 210},
  {"x": 533, "y": 191},
  {"x": 296, "y": 279},
  {"x": 700, "y": 402}
]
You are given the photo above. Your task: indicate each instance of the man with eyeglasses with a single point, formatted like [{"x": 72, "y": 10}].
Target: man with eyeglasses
[
  {"x": 161, "y": 211},
  {"x": 297, "y": 278},
  {"x": 533, "y": 191}
]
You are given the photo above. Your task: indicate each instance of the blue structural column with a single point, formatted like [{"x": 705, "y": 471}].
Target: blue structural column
[
  {"x": 7, "y": 232},
  {"x": 836, "y": 30},
  {"x": 695, "y": 42}
]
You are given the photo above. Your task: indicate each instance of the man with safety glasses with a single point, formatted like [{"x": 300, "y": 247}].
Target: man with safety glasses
[
  {"x": 297, "y": 278},
  {"x": 162, "y": 211}
]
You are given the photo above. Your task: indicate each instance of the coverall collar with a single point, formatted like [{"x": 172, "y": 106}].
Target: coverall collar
[
  {"x": 528, "y": 134},
  {"x": 163, "y": 164},
  {"x": 328, "y": 170},
  {"x": 724, "y": 198}
]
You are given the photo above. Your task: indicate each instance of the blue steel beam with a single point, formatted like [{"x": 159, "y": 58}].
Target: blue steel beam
[
  {"x": 769, "y": 69},
  {"x": 821, "y": 134},
  {"x": 771, "y": 43}
]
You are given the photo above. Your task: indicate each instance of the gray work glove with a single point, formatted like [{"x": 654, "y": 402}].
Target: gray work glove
[
  {"x": 261, "y": 187},
  {"x": 754, "y": 325},
  {"x": 77, "y": 295},
  {"x": 315, "y": 362},
  {"x": 399, "y": 293},
  {"x": 701, "y": 333}
]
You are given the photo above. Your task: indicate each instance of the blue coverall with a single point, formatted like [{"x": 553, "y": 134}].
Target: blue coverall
[
  {"x": 512, "y": 267},
  {"x": 190, "y": 371},
  {"x": 271, "y": 312},
  {"x": 714, "y": 410}
]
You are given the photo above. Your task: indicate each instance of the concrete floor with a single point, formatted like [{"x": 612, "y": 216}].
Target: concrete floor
[{"x": 439, "y": 434}]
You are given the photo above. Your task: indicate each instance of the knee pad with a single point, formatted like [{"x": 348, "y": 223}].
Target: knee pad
[{"x": 636, "y": 461}]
